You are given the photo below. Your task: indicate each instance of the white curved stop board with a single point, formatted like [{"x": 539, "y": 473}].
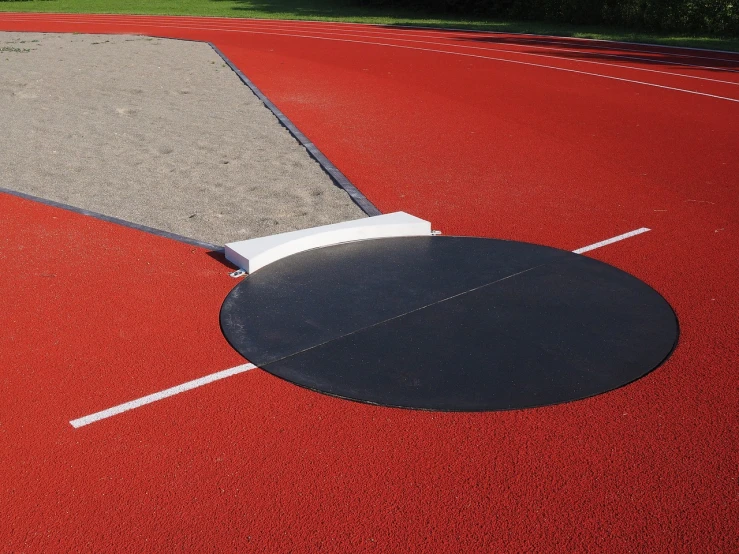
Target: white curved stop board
[{"x": 253, "y": 254}]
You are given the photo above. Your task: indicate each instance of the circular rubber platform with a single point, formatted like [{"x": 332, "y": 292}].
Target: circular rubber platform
[{"x": 449, "y": 323}]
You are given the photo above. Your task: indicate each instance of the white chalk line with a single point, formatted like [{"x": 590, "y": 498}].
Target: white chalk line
[
  {"x": 121, "y": 408},
  {"x": 391, "y": 37},
  {"x": 395, "y": 36},
  {"x": 115, "y": 410},
  {"x": 431, "y": 50},
  {"x": 610, "y": 241},
  {"x": 389, "y": 34},
  {"x": 418, "y": 30},
  {"x": 143, "y": 401}
]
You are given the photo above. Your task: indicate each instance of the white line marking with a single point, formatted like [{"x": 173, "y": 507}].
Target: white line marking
[
  {"x": 387, "y": 36},
  {"x": 432, "y": 50},
  {"x": 394, "y": 36},
  {"x": 44, "y": 17},
  {"x": 484, "y": 32},
  {"x": 115, "y": 410},
  {"x": 493, "y": 58},
  {"x": 611, "y": 241},
  {"x": 559, "y": 58}
]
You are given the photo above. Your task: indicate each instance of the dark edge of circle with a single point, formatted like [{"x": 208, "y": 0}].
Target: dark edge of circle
[
  {"x": 367, "y": 402},
  {"x": 115, "y": 220},
  {"x": 337, "y": 176}
]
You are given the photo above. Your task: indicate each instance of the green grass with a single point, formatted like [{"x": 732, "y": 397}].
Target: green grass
[{"x": 334, "y": 10}]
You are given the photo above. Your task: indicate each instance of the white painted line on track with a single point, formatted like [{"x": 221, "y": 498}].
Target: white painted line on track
[
  {"x": 550, "y": 56},
  {"x": 115, "y": 410},
  {"x": 254, "y": 26},
  {"x": 394, "y": 36},
  {"x": 441, "y": 31},
  {"x": 493, "y": 58},
  {"x": 553, "y": 38},
  {"x": 610, "y": 241},
  {"x": 432, "y": 50},
  {"x": 143, "y": 401},
  {"x": 378, "y": 35}
]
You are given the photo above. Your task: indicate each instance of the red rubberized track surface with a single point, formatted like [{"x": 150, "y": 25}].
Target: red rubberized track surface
[{"x": 558, "y": 141}]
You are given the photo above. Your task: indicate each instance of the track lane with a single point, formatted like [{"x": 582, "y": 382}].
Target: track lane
[
  {"x": 582, "y": 44},
  {"x": 571, "y": 58},
  {"x": 492, "y": 42},
  {"x": 563, "y": 153},
  {"x": 481, "y": 44}
]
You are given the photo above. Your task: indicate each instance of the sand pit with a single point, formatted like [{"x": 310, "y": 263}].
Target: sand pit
[{"x": 157, "y": 132}]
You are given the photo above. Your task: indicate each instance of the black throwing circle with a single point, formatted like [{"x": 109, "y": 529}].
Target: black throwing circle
[{"x": 449, "y": 323}]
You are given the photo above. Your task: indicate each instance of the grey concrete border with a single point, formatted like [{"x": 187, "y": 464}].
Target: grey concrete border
[{"x": 111, "y": 219}]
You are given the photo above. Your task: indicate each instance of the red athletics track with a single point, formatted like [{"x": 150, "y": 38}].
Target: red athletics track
[{"x": 492, "y": 145}]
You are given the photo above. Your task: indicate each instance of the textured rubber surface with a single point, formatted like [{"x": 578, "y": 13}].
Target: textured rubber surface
[{"x": 449, "y": 323}]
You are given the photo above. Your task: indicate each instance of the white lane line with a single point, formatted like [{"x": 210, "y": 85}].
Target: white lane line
[
  {"x": 478, "y": 33},
  {"x": 397, "y": 29},
  {"x": 386, "y": 36},
  {"x": 611, "y": 240},
  {"x": 550, "y": 56},
  {"x": 394, "y": 36},
  {"x": 433, "y": 50},
  {"x": 250, "y": 29},
  {"x": 115, "y": 410},
  {"x": 492, "y": 58},
  {"x": 442, "y": 31}
]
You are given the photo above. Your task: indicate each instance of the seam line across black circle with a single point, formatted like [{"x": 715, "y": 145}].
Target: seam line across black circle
[
  {"x": 449, "y": 323},
  {"x": 265, "y": 364},
  {"x": 317, "y": 296}
]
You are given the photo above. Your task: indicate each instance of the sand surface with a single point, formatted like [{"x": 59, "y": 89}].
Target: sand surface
[{"x": 157, "y": 132}]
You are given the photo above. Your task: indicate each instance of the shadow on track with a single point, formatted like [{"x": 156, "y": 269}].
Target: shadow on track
[{"x": 710, "y": 60}]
